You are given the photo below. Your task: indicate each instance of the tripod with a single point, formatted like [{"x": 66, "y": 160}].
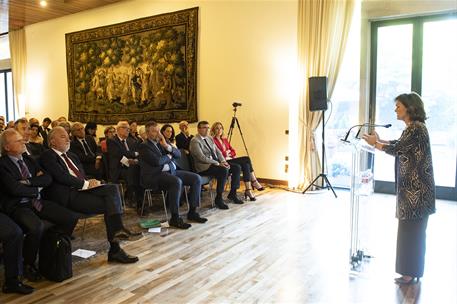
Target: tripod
[
  {"x": 325, "y": 182},
  {"x": 232, "y": 126}
]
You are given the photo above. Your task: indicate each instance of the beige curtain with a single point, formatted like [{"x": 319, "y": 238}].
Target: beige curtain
[
  {"x": 18, "y": 67},
  {"x": 323, "y": 28}
]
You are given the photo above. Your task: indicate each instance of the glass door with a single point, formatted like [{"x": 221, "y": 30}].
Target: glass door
[{"x": 417, "y": 54}]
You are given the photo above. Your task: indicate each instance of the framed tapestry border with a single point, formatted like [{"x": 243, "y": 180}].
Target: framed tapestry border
[{"x": 144, "y": 69}]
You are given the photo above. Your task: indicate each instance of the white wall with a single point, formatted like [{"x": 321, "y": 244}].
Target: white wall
[{"x": 246, "y": 52}]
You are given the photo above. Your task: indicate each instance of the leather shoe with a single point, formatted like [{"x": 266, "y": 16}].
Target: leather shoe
[
  {"x": 177, "y": 222},
  {"x": 31, "y": 273},
  {"x": 17, "y": 287},
  {"x": 122, "y": 257},
  {"x": 220, "y": 204},
  {"x": 235, "y": 199},
  {"x": 194, "y": 216}
]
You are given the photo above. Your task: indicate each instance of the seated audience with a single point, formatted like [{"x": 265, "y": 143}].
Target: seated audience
[
  {"x": 123, "y": 162},
  {"x": 54, "y": 124},
  {"x": 72, "y": 190},
  {"x": 109, "y": 132},
  {"x": 184, "y": 137},
  {"x": 158, "y": 170},
  {"x": 168, "y": 132},
  {"x": 35, "y": 144},
  {"x": 66, "y": 125},
  {"x": 2, "y": 123},
  {"x": 35, "y": 134},
  {"x": 85, "y": 148},
  {"x": 10, "y": 124},
  {"x": 22, "y": 126},
  {"x": 208, "y": 160},
  {"x": 22, "y": 181},
  {"x": 12, "y": 237},
  {"x": 91, "y": 130},
  {"x": 142, "y": 133},
  {"x": 217, "y": 132},
  {"x": 134, "y": 132}
]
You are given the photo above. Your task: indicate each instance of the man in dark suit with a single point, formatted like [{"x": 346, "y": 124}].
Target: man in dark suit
[
  {"x": 184, "y": 137},
  {"x": 123, "y": 162},
  {"x": 44, "y": 130},
  {"x": 71, "y": 189},
  {"x": 158, "y": 170},
  {"x": 12, "y": 237},
  {"x": 22, "y": 179},
  {"x": 85, "y": 147}
]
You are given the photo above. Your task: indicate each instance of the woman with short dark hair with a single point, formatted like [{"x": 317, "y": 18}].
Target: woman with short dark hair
[{"x": 415, "y": 185}]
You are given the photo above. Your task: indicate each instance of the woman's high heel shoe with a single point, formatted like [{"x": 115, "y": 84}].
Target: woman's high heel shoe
[
  {"x": 257, "y": 185},
  {"x": 248, "y": 193}
]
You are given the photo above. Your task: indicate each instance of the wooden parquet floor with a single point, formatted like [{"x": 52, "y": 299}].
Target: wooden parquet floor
[{"x": 283, "y": 248}]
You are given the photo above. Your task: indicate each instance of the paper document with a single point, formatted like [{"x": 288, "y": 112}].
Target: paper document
[
  {"x": 83, "y": 253},
  {"x": 154, "y": 230},
  {"x": 125, "y": 161}
]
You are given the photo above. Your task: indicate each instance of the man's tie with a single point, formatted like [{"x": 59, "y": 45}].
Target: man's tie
[
  {"x": 213, "y": 155},
  {"x": 125, "y": 144},
  {"x": 72, "y": 167},
  {"x": 25, "y": 174},
  {"x": 87, "y": 149}
]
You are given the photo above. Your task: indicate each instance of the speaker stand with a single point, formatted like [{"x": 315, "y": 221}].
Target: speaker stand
[{"x": 325, "y": 182}]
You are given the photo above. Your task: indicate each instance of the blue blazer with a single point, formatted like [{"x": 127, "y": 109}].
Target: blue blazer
[{"x": 152, "y": 160}]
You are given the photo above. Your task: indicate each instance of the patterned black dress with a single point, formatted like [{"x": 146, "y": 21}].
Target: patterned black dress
[{"x": 415, "y": 188}]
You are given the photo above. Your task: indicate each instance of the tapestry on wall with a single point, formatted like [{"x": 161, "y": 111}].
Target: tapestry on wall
[{"x": 141, "y": 70}]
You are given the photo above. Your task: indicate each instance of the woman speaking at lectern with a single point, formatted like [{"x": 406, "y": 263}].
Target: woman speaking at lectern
[{"x": 414, "y": 183}]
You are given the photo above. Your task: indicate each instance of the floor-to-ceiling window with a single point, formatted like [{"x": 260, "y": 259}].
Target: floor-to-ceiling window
[{"x": 417, "y": 54}]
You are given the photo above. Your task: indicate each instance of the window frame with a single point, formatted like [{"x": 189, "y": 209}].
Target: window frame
[{"x": 448, "y": 193}]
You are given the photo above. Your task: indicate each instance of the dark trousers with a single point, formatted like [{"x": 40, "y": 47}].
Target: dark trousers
[
  {"x": 131, "y": 176},
  {"x": 104, "y": 200},
  {"x": 173, "y": 185},
  {"x": 235, "y": 171},
  {"x": 220, "y": 173},
  {"x": 30, "y": 220},
  {"x": 246, "y": 166},
  {"x": 11, "y": 236},
  {"x": 411, "y": 239}
]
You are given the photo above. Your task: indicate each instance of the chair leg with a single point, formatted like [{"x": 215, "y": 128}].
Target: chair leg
[
  {"x": 211, "y": 196},
  {"x": 121, "y": 189},
  {"x": 187, "y": 198},
  {"x": 164, "y": 199},
  {"x": 84, "y": 229},
  {"x": 145, "y": 195}
]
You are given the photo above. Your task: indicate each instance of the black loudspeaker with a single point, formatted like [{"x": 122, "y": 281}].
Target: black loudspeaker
[{"x": 317, "y": 93}]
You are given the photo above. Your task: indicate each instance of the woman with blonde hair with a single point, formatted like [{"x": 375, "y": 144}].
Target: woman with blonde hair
[{"x": 249, "y": 179}]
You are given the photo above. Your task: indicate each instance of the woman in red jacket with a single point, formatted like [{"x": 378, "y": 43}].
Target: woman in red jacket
[{"x": 217, "y": 132}]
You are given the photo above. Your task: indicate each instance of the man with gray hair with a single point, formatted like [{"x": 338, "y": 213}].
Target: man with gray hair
[
  {"x": 22, "y": 181},
  {"x": 71, "y": 189},
  {"x": 85, "y": 148},
  {"x": 123, "y": 161}
]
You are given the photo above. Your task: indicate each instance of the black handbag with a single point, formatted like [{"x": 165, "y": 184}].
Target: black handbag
[{"x": 55, "y": 256}]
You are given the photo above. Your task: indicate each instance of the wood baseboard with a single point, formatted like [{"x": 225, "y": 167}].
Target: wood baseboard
[{"x": 275, "y": 182}]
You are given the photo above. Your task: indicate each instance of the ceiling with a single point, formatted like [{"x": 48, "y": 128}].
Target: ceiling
[{"x": 15, "y": 14}]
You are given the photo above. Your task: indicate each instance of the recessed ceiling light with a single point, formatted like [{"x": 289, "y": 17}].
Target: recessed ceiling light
[{"x": 43, "y": 3}]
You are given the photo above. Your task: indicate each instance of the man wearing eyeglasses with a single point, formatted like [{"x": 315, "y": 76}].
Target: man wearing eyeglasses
[{"x": 123, "y": 162}]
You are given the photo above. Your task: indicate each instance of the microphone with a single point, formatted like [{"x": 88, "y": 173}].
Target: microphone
[{"x": 367, "y": 124}]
